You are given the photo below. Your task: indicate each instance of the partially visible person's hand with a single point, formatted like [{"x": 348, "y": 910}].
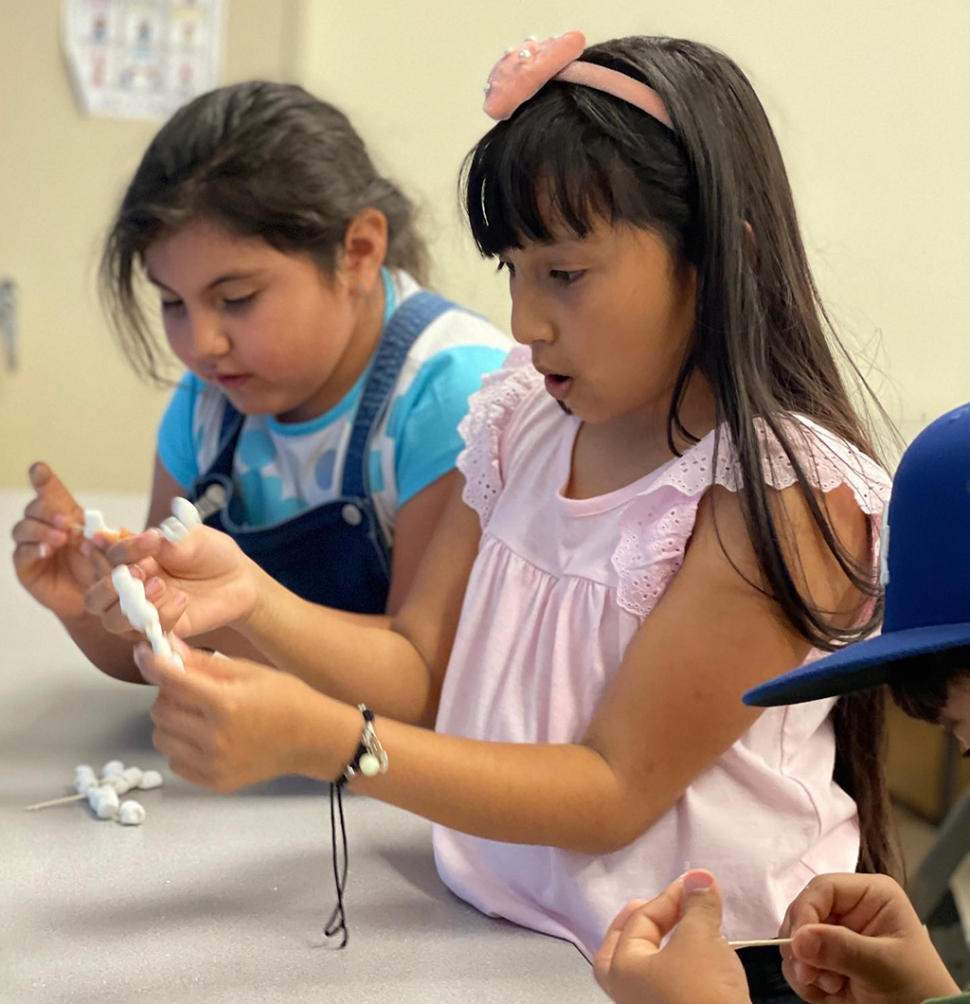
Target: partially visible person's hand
[
  {"x": 203, "y": 583},
  {"x": 225, "y": 723},
  {"x": 52, "y": 559},
  {"x": 696, "y": 966},
  {"x": 857, "y": 940}
]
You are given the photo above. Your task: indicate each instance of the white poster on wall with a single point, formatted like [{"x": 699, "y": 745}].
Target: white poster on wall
[{"x": 141, "y": 58}]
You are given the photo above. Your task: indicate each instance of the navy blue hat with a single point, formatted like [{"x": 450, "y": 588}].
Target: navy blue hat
[{"x": 925, "y": 571}]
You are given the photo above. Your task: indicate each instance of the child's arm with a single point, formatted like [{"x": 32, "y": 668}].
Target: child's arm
[
  {"x": 857, "y": 940},
  {"x": 208, "y": 582},
  {"x": 672, "y": 710}
]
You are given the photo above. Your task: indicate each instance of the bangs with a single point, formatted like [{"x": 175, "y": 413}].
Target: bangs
[{"x": 542, "y": 172}]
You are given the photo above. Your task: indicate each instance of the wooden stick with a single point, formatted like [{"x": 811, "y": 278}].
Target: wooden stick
[
  {"x": 763, "y": 943},
  {"x": 55, "y": 801}
]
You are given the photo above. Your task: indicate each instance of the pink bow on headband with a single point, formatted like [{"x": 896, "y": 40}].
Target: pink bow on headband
[{"x": 525, "y": 69}]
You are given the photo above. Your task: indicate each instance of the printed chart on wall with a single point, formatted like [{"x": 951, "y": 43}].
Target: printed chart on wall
[{"x": 141, "y": 58}]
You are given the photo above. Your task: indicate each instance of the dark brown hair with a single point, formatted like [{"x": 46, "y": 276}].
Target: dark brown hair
[
  {"x": 920, "y": 685},
  {"x": 761, "y": 337},
  {"x": 262, "y": 159}
]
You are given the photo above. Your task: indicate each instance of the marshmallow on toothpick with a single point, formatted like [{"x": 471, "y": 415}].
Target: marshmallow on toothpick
[
  {"x": 131, "y": 813},
  {"x": 111, "y": 768},
  {"x": 93, "y": 523},
  {"x": 186, "y": 513},
  {"x": 185, "y": 518},
  {"x": 141, "y": 613},
  {"x": 104, "y": 802}
]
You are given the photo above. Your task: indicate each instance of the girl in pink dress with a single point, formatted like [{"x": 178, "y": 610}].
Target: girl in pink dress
[{"x": 666, "y": 498}]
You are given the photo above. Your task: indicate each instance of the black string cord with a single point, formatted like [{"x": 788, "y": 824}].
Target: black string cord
[{"x": 337, "y": 924}]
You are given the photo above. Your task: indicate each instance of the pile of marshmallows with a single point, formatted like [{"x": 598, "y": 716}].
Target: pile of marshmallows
[
  {"x": 104, "y": 793},
  {"x": 141, "y": 613}
]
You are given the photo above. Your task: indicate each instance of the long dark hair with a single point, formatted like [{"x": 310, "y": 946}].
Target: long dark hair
[
  {"x": 761, "y": 339},
  {"x": 262, "y": 159}
]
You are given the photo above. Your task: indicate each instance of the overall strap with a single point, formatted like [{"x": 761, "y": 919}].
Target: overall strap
[
  {"x": 229, "y": 430},
  {"x": 407, "y": 322}
]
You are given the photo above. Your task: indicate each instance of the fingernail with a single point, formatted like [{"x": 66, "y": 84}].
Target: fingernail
[
  {"x": 181, "y": 599},
  {"x": 44, "y": 551},
  {"x": 698, "y": 881},
  {"x": 831, "y": 983},
  {"x": 154, "y": 586},
  {"x": 63, "y": 522},
  {"x": 86, "y": 548}
]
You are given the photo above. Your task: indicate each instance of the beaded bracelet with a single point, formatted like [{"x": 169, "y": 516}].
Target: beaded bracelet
[{"x": 370, "y": 759}]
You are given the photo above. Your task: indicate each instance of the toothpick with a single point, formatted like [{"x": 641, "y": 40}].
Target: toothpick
[
  {"x": 762, "y": 943},
  {"x": 56, "y": 801}
]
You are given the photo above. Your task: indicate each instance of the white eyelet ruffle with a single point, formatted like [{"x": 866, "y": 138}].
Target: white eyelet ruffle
[
  {"x": 489, "y": 412},
  {"x": 657, "y": 524}
]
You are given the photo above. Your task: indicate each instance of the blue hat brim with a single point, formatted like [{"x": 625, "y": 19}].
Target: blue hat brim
[{"x": 857, "y": 667}]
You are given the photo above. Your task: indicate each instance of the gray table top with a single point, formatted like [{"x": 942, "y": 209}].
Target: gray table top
[{"x": 214, "y": 898}]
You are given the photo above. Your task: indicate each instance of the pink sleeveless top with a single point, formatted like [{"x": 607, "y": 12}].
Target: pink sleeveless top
[{"x": 558, "y": 590}]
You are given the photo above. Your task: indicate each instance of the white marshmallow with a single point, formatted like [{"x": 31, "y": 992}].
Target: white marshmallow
[
  {"x": 93, "y": 523},
  {"x": 121, "y": 784},
  {"x": 84, "y": 778},
  {"x": 150, "y": 779},
  {"x": 104, "y": 802},
  {"x": 112, "y": 767},
  {"x": 141, "y": 612},
  {"x": 173, "y": 530},
  {"x": 186, "y": 513},
  {"x": 131, "y": 813},
  {"x": 133, "y": 776}
]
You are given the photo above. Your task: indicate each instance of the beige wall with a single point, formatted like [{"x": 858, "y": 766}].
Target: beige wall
[
  {"x": 870, "y": 108},
  {"x": 73, "y": 401},
  {"x": 868, "y": 99}
]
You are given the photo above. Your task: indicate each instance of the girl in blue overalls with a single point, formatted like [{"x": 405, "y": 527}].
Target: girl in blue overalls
[{"x": 324, "y": 386}]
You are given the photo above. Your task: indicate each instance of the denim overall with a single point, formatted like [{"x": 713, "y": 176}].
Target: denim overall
[{"x": 335, "y": 554}]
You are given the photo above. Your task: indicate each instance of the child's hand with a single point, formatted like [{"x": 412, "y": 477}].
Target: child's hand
[
  {"x": 48, "y": 558},
  {"x": 696, "y": 966},
  {"x": 201, "y": 584},
  {"x": 225, "y": 723},
  {"x": 857, "y": 940}
]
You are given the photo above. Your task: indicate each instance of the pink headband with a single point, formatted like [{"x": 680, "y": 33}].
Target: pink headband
[{"x": 526, "y": 68}]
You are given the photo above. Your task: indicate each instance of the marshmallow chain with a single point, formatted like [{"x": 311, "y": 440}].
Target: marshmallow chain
[
  {"x": 141, "y": 613},
  {"x": 104, "y": 794}
]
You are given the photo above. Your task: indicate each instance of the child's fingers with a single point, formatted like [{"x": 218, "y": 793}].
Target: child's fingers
[
  {"x": 604, "y": 957},
  {"x": 169, "y": 602},
  {"x": 184, "y": 723},
  {"x": 184, "y": 758},
  {"x": 33, "y": 531},
  {"x": 805, "y": 988},
  {"x": 134, "y": 549},
  {"x": 619, "y": 921},
  {"x": 53, "y": 498},
  {"x": 101, "y": 597},
  {"x": 198, "y": 685}
]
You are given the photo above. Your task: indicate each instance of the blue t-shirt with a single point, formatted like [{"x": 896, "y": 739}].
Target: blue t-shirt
[{"x": 283, "y": 469}]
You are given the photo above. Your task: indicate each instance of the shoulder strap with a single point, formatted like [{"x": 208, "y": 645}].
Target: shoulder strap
[{"x": 407, "y": 322}]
